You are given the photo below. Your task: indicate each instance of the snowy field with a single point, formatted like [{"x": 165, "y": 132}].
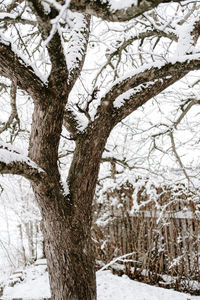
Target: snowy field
[{"x": 109, "y": 287}]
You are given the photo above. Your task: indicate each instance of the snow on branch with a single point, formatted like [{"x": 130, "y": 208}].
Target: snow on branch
[
  {"x": 113, "y": 10},
  {"x": 53, "y": 3},
  {"x": 120, "y": 258},
  {"x": 77, "y": 43},
  {"x": 13, "y": 162},
  {"x": 153, "y": 71},
  {"x": 188, "y": 34},
  {"x": 49, "y": 25},
  {"x": 133, "y": 90},
  {"x": 55, "y": 22},
  {"x": 109, "y": 10},
  {"x": 14, "y": 67},
  {"x": 16, "y": 18}
]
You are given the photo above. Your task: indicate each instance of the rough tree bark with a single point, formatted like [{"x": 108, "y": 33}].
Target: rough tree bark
[
  {"x": 67, "y": 217},
  {"x": 66, "y": 220}
]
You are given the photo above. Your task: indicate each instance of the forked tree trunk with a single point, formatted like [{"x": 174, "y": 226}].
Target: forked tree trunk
[
  {"x": 68, "y": 245},
  {"x": 66, "y": 226},
  {"x": 67, "y": 219}
]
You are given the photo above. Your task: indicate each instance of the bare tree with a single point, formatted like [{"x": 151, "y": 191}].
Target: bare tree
[{"x": 42, "y": 51}]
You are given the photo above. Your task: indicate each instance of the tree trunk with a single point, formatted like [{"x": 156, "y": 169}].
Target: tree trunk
[
  {"x": 30, "y": 238},
  {"x": 23, "y": 252},
  {"x": 68, "y": 246},
  {"x": 70, "y": 260},
  {"x": 67, "y": 219}
]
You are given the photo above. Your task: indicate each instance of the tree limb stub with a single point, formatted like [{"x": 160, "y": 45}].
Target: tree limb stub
[
  {"x": 13, "y": 162},
  {"x": 70, "y": 123}
]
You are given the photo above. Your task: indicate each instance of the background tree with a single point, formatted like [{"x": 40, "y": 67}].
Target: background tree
[
  {"x": 44, "y": 45},
  {"x": 20, "y": 218}
]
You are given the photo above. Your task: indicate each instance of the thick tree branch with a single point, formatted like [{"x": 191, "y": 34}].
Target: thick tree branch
[
  {"x": 12, "y": 162},
  {"x": 52, "y": 40},
  {"x": 59, "y": 72},
  {"x": 70, "y": 123},
  {"x": 103, "y": 9},
  {"x": 77, "y": 47},
  {"x": 13, "y": 67},
  {"x": 142, "y": 87}
]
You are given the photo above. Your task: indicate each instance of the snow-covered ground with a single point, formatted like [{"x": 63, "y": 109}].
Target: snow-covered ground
[{"x": 109, "y": 287}]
